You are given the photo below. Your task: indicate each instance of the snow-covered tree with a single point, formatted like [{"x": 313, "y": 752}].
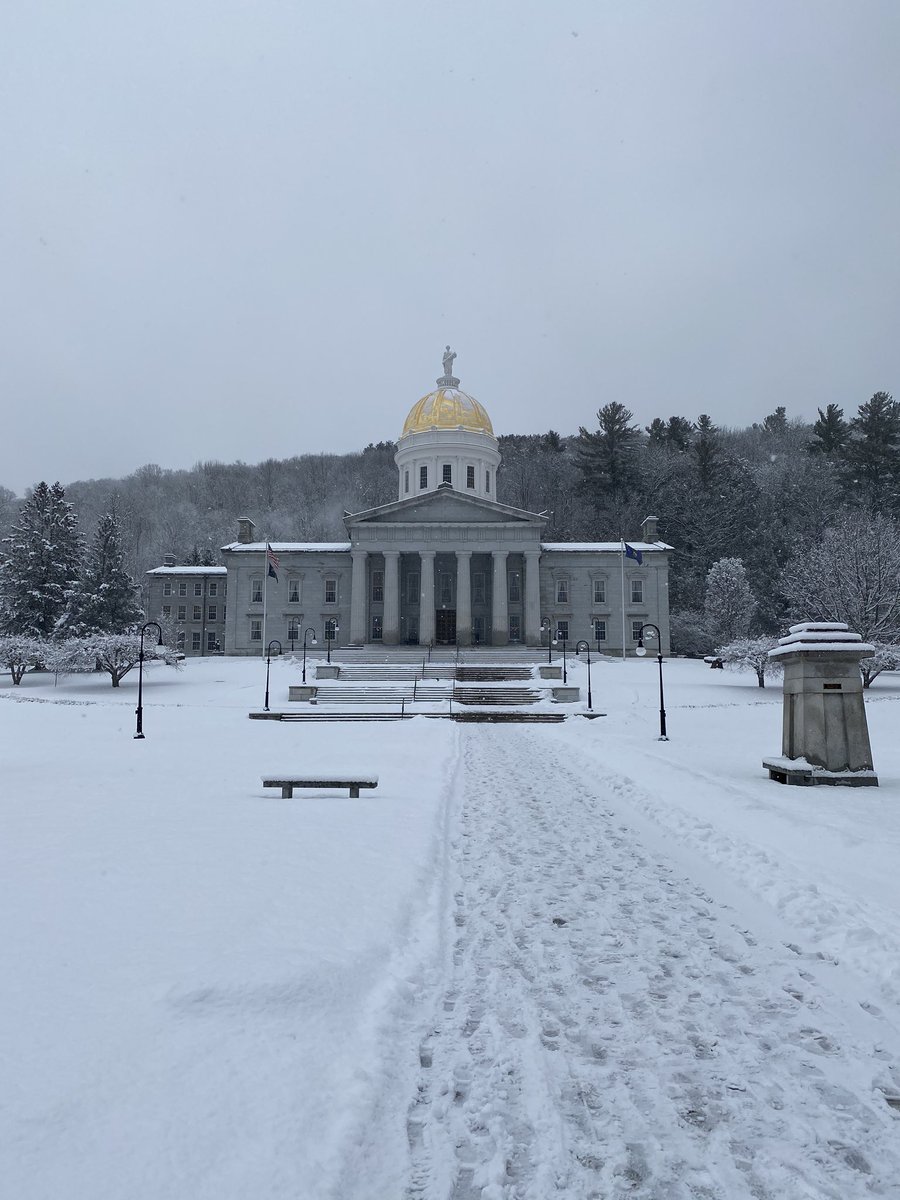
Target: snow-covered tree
[
  {"x": 105, "y": 600},
  {"x": 18, "y": 653},
  {"x": 117, "y": 653},
  {"x": 751, "y": 654},
  {"x": 63, "y": 656},
  {"x": 729, "y": 604},
  {"x": 886, "y": 658},
  {"x": 851, "y": 574},
  {"x": 40, "y": 563}
]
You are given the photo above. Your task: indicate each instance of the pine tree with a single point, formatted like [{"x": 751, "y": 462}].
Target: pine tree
[
  {"x": 39, "y": 568},
  {"x": 729, "y": 605},
  {"x": 830, "y": 433},
  {"x": 873, "y": 449},
  {"x": 106, "y": 598},
  {"x": 608, "y": 459}
]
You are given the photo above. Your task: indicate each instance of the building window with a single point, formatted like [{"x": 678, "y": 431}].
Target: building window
[
  {"x": 446, "y": 473},
  {"x": 376, "y": 629},
  {"x": 515, "y": 587},
  {"x": 293, "y": 630},
  {"x": 637, "y": 591},
  {"x": 562, "y": 591},
  {"x": 179, "y": 640},
  {"x": 167, "y": 611},
  {"x": 515, "y": 628},
  {"x": 487, "y": 481},
  {"x": 599, "y": 630},
  {"x": 406, "y": 481},
  {"x": 255, "y": 629},
  {"x": 331, "y": 591},
  {"x": 446, "y": 589},
  {"x": 198, "y": 589},
  {"x": 412, "y": 587},
  {"x": 478, "y": 587},
  {"x": 213, "y": 587},
  {"x": 378, "y": 587},
  {"x": 256, "y": 591},
  {"x": 182, "y": 612},
  {"x": 198, "y": 612},
  {"x": 599, "y": 591},
  {"x": 212, "y": 642},
  {"x": 470, "y": 477},
  {"x": 195, "y": 642},
  {"x": 212, "y": 612},
  {"x": 293, "y": 591},
  {"x": 167, "y": 587},
  {"x": 562, "y": 631},
  {"x": 636, "y": 627},
  {"x": 331, "y": 629},
  {"x": 423, "y": 477},
  {"x": 182, "y": 587}
]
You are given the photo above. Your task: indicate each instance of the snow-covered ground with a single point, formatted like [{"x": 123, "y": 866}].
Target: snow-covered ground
[{"x": 547, "y": 960}]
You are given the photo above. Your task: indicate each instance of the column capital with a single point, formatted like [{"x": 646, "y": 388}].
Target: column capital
[
  {"x": 463, "y": 553},
  {"x": 498, "y": 554},
  {"x": 391, "y": 553},
  {"x": 427, "y": 553}
]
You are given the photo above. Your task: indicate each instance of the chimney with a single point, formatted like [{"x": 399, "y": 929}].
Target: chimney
[
  {"x": 168, "y": 560},
  {"x": 650, "y": 529},
  {"x": 245, "y": 530}
]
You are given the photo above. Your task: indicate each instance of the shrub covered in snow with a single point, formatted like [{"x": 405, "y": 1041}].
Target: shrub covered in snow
[
  {"x": 751, "y": 654},
  {"x": 886, "y": 658},
  {"x": 18, "y": 653}
]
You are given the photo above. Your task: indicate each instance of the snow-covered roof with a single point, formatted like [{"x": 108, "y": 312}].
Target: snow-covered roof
[
  {"x": 607, "y": 547},
  {"x": 290, "y": 547},
  {"x": 188, "y": 571}
]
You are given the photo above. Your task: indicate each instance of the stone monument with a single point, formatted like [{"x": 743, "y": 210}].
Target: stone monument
[{"x": 825, "y": 738}]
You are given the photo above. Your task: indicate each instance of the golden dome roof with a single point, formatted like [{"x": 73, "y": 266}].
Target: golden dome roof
[{"x": 447, "y": 408}]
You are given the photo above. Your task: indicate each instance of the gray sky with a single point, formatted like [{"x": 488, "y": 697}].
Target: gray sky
[{"x": 247, "y": 229}]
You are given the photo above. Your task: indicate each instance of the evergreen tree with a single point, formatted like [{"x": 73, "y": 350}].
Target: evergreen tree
[
  {"x": 608, "y": 459},
  {"x": 830, "y": 433},
  {"x": 729, "y": 605},
  {"x": 872, "y": 450},
  {"x": 106, "y": 598},
  {"x": 39, "y": 568}
]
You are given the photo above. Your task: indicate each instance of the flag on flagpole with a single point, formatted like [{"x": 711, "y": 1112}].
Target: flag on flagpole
[
  {"x": 273, "y": 565},
  {"x": 637, "y": 555}
]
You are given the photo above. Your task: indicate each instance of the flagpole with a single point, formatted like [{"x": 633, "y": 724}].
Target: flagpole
[
  {"x": 266, "y": 593},
  {"x": 622, "y": 546}
]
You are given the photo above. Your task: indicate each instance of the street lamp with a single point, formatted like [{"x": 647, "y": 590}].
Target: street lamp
[
  {"x": 641, "y": 650},
  {"x": 306, "y": 634},
  {"x": 578, "y": 649},
  {"x": 140, "y": 707},
  {"x": 274, "y": 642},
  {"x": 547, "y": 625},
  {"x": 565, "y": 676},
  {"x": 330, "y": 631}
]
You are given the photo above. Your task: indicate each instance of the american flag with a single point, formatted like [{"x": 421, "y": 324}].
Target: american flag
[{"x": 273, "y": 564}]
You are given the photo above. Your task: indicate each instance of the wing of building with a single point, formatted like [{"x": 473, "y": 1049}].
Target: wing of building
[{"x": 444, "y": 563}]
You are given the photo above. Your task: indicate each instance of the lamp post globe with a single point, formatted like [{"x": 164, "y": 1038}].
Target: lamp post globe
[
  {"x": 640, "y": 651},
  {"x": 578, "y": 648},
  {"x": 312, "y": 642},
  {"x": 140, "y": 704},
  {"x": 274, "y": 642}
]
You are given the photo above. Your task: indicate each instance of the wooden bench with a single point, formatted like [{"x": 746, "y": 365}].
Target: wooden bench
[{"x": 287, "y": 783}]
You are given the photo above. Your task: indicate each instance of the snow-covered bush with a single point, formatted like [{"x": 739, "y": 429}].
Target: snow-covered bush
[
  {"x": 751, "y": 654},
  {"x": 65, "y": 656},
  {"x": 886, "y": 658},
  {"x": 18, "y": 653},
  {"x": 117, "y": 653}
]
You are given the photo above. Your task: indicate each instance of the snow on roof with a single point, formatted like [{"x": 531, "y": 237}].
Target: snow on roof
[
  {"x": 831, "y": 636},
  {"x": 290, "y": 547},
  {"x": 605, "y": 546},
  {"x": 188, "y": 571}
]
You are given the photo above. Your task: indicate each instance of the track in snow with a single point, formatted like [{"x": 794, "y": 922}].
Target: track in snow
[{"x": 609, "y": 1031}]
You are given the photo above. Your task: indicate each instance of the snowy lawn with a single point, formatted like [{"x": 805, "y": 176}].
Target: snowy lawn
[{"x": 213, "y": 992}]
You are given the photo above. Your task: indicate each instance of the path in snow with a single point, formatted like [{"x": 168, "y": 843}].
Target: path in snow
[{"x": 608, "y": 1030}]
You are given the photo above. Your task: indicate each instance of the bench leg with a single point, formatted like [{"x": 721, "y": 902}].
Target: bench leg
[
  {"x": 287, "y": 792},
  {"x": 354, "y": 792}
]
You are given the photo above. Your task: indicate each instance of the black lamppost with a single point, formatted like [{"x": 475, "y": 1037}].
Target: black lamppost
[
  {"x": 274, "y": 642},
  {"x": 641, "y": 650},
  {"x": 578, "y": 648},
  {"x": 140, "y": 708},
  {"x": 306, "y": 634},
  {"x": 565, "y": 676},
  {"x": 547, "y": 625},
  {"x": 330, "y": 631}
]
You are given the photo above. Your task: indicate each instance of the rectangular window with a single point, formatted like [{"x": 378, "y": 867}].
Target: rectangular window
[
  {"x": 406, "y": 481},
  {"x": 212, "y": 612},
  {"x": 255, "y": 629},
  {"x": 212, "y": 643},
  {"x": 487, "y": 481},
  {"x": 562, "y": 631},
  {"x": 198, "y": 589},
  {"x": 195, "y": 642},
  {"x": 378, "y": 587},
  {"x": 599, "y": 630},
  {"x": 331, "y": 591},
  {"x": 331, "y": 630},
  {"x": 470, "y": 477},
  {"x": 376, "y": 629},
  {"x": 167, "y": 587},
  {"x": 515, "y": 628},
  {"x": 446, "y": 473},
  {"x": 256, "y": 591},
  {"x": 599, "y": 591},
  {"x": 515, "y": 587},
  {"x": 167, "y": 611},
  {"x": 478, "y": 587},
  {"x": 446, "y": 589},
  {"x": 213, "y": 587},
  {"x": 636, "y": 630},
  {"x": 182, "y": 587},
  {"x": 637, "y": 591},
  {"x": 423, "y": 477},
  {"x": 293, "y": 630},
  {"x": 182, "y": 612},
  {"x": 412, "y": 587},
  {"x": 293, "y": 591},
  {"x": 562, "y": 591},
  {"x": 198, "y": 612}
]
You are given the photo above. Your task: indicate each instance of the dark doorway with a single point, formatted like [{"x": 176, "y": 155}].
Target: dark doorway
[{"x": 445, "y": 626}]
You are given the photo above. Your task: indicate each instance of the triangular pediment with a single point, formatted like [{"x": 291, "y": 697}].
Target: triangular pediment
[{"x": 444, "y": 507}]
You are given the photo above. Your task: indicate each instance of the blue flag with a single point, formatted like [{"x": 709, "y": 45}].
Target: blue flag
[{"x": 637, "y": 555}]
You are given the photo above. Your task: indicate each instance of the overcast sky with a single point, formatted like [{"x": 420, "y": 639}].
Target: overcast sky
[{"x": 248, "y": 229}]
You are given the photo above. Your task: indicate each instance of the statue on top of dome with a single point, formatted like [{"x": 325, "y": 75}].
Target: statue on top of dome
[{"x": 449, "y": 356}]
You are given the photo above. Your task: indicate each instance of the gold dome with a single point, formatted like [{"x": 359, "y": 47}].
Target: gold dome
[{"x": 447, "y": 408}]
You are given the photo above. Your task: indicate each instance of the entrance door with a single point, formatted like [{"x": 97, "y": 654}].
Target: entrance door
[{"x": 445, "y": 626}]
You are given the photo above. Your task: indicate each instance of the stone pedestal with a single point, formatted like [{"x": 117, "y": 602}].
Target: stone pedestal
[{"x": 825, "y": 737}]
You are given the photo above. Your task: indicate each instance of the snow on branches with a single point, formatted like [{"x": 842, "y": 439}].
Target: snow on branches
[
  {"x": 18, "y": 653},
  {"x": 751, "y": 654}
]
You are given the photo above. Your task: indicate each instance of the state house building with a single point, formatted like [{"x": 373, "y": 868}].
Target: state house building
[{"x": 445, "y": 562}]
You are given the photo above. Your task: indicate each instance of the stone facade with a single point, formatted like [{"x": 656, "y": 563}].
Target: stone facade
[{"x": 194, "y": 599}]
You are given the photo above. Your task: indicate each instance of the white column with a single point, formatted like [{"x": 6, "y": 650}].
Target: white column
[
  {"x": 426, "y": 601},
  {"x": 390, "y": 632},
  {"x": 358, "y": 587},
  {"x": 464, "y": 597},
  {"x": 532, "y": 597},
  {"x": 499, "y": 605}
]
